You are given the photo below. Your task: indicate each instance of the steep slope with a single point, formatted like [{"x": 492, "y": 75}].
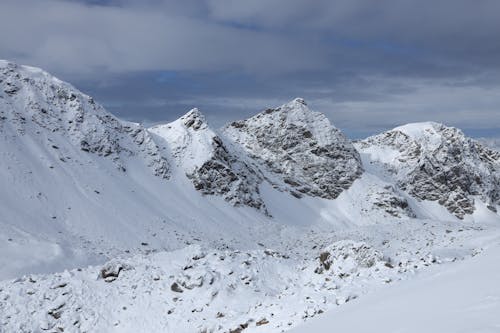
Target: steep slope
[
  {"x": 209, "y": 163},
  {"x": 78, "y": 185},
  {"x": 433, "y": 162},
  {"x": 299, "y": 149},
  {"x": 34, "y": 102}
]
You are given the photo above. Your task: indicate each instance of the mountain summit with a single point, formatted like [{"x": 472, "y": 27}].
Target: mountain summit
[
  {"x": 38, "y": 106},
  {"x": 212, "y": 167},
  {"x": 300, "y": 147},
  {"x": 437, "y": 163}
]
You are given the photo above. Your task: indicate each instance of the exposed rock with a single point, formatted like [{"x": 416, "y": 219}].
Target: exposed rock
[
  {"x": 433, "y": 162},
  {"x": 34, "y": 99},
  {"x": 261, "y": 322},
  {"x": 345, "y": 257},
  {"x": 213, "y": 167},
  {"x": 299, "y": 149},
  {"x": 176, "y": 288},
  {"x": 111, "y": 270},
  {"x": 392, "y": 203}
]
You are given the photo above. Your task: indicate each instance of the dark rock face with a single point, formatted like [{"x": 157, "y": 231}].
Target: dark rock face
[
  {"x": 225, "y": 175},
  {"x": 111, "y": 270},
  {"x": 300, "y": 151},
  {"x": 440, "y": 164},
  {"x": 391, "y": 203},
  {"x": 213, "y": 167}
]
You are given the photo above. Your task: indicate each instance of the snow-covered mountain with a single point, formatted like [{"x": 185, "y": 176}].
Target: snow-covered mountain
[
  {"x": 34, "y": 103},
  {"x": 209, "y": 163},
  {"x": 299, "y": 150},
  {"x": 258, "y": 226},
  {"x": 433, "y": 162},
  {"x": 81, "y": 185}
]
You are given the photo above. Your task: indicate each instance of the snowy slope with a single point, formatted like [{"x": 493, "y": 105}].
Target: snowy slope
[
  {"x": 80, "y": 186},
  {"x": 209, "y": 163},
  {"x": 199, "y": 289},
  {"x": 464, "y": 297}
]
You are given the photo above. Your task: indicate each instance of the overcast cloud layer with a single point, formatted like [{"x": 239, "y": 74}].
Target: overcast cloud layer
[{"x": 369, "y": 65}]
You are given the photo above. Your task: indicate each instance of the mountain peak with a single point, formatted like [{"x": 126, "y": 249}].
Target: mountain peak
[
  {"x": 299, "y": 100},
  {"x": 16, "y": 71},
  {"x": 434, "y": 162},
  {"x": 297, "y": 105},
  {"x": 194, "y": 119},
  {"x": 36, "y": 105},
  {"x": 300, "y": 146},
  {"x": 419, "y": 129}
]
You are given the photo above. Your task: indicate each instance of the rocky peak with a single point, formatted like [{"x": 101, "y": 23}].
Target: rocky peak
[
  {"x": 39, "y": 105},
  {"x": 213, "y": 167},
  {"x": 301, "y": 150},
  {"x": 434, "y": 162},
  {"x": 300, "y": 100},
  {"x": 194, "y": 119}
]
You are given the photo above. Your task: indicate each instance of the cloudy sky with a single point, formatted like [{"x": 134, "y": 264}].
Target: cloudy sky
[{"x": 369, "y": 65}]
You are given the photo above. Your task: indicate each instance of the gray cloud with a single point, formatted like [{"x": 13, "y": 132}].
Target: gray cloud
[
  {"x": 368, "y": 65},
  {"x": 77, "y": 37}
]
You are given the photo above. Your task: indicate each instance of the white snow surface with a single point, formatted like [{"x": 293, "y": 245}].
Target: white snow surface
[
  {"x": 463, "y": 297},
  {"x": 191, "y": 146},
  {"x": 106, "y": 226}
]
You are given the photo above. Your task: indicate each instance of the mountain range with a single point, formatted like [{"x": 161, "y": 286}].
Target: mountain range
[
  {"x": 79, "y": 186},
  {"x": 81, "y": 183}
]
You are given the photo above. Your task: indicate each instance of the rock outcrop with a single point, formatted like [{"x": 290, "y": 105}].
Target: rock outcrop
[
  {"x": 211, "y": 165},
  {"x": 433, "y": 162},
  {"x": 299, "y": 150},
  {"x": 32, "y": 101}
]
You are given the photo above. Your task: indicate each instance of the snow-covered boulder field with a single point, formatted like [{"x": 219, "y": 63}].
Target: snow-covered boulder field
[{"x": 200, "y": 289}]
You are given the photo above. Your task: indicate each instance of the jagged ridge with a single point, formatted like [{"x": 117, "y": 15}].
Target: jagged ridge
[
  {"x": 209, "y": 163},
  {"x": 32, "y": 100},
  {"x": 434, "y": 162}
]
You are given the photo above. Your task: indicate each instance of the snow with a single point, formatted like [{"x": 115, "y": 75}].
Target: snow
[
  {"x": 461, "y": 297},
  {"x": 191, "y": 147},
  {"x": 433, "y": 162},
  {"x": 297, "y": 150},
  {"x": 419, "y": 130},
  {"x": 198, "y": 288}
]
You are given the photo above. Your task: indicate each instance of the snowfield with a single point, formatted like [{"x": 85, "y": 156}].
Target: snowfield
[
  {"x": 199, "y": 289},
  {"x": 272, "y": 223},
  {"x": 463, "y": 297}
]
